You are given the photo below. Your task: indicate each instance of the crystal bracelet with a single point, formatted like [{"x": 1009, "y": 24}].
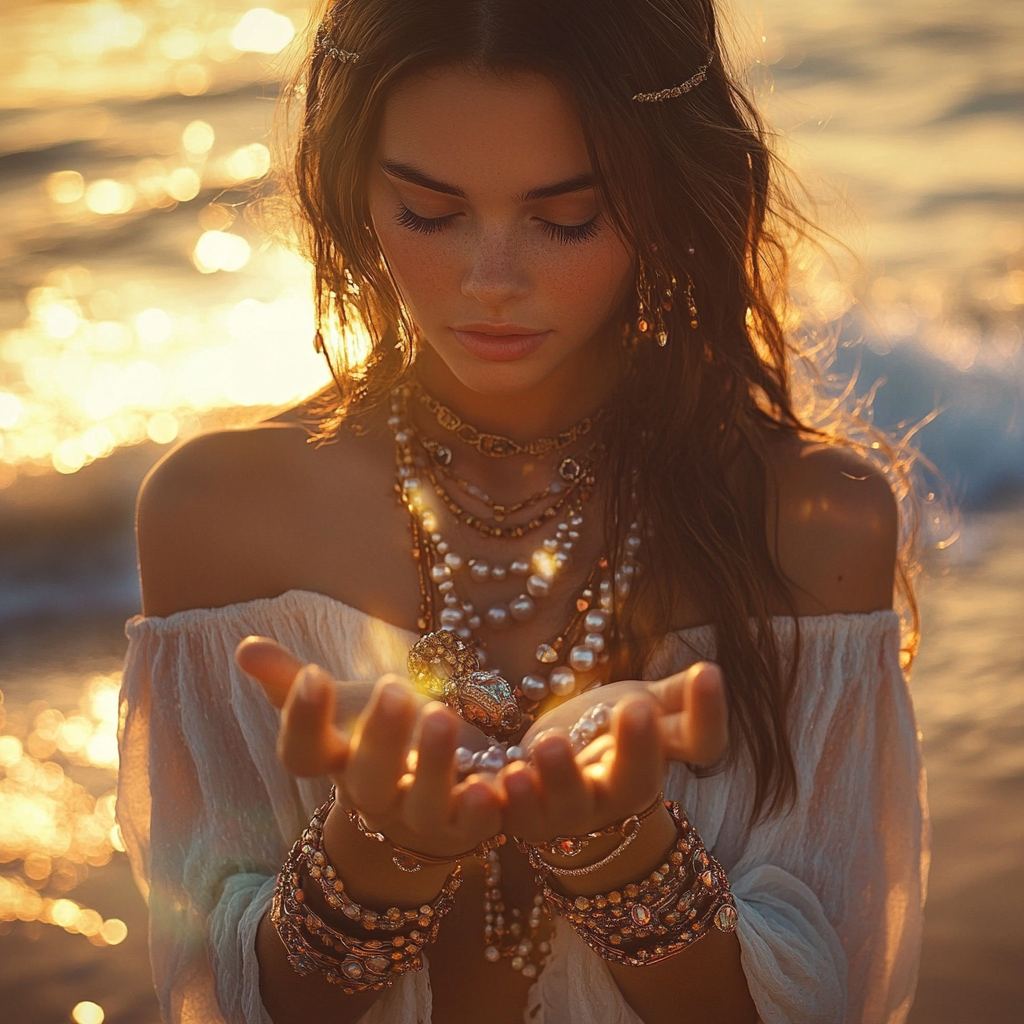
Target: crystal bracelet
[{"x": 649, "y": 921}]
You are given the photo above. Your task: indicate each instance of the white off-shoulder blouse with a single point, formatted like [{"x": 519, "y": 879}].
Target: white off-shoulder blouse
[{"x": 829, "y": 895}]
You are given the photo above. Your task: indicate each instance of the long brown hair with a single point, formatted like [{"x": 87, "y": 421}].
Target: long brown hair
[{"x": 693, "y": 187}]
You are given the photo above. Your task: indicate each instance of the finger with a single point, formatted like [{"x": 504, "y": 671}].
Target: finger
[
  {"x": 428, "y": 799},
  {"x": 378, "y": 759},
  {"x": 699, "y": 731},
  {"x": 478, "y": 806},
  {"x": 308, "y": 744},
  {"x": 704, "y": 727},
  {"x": 635, "y": 774},
  {"x": 524, "y": 812},
  {"x": 563, "y": 792},
  {"x": 274, "y": 667}
]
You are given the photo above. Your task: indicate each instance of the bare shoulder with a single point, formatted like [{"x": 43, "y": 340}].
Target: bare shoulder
[
  {"x": 835, "y": 528},
  {"x": 235, "y": 515},
  {"x": 197, "y": 509}
]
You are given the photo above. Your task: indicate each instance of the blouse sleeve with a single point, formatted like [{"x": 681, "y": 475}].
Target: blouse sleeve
[
  {"x": 208, "y": 812},
  {"x": 829, "y": 894}
]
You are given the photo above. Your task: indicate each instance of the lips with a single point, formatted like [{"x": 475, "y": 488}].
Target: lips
[{"x": 499, "y": 343}]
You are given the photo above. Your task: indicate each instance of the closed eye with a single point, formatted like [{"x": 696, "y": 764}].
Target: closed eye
[
  {"x": 424, "y": 225},
  {"x": 567, "y": 234},
  {"x": 571, "y": 234}
]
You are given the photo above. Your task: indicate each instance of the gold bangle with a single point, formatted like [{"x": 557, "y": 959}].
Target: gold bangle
[
  {"x": 573, "y": 846},
  {"x": 412, "y": 861}
]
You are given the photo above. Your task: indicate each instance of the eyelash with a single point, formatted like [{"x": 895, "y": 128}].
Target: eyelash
[{"x": 567, "y": 234}]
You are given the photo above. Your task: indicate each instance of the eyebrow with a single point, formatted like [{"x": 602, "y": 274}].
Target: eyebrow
[{"x": 406, "y": 172}]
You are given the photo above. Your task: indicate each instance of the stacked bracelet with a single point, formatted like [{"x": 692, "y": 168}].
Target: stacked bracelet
[
  {"x": 649, "y": 921},
  {"x": 356, "y": 963}
]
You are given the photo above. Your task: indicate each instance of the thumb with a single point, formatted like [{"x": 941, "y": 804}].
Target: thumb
[
  {"x": 308, "y": 743},
  {"x": 695, "y": 723},
  {"x": 274, "y": 667}
]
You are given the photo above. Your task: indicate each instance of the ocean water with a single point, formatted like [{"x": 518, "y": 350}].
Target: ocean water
[{"x": 139, "y": 304}]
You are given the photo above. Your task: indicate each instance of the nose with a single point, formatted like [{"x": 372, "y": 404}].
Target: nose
[{"x": 496, "y": 274}]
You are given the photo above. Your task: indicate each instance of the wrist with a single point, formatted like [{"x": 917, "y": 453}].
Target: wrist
[
  {"x": 369, "y": 873},
  {"x": 646, "y": 851}
]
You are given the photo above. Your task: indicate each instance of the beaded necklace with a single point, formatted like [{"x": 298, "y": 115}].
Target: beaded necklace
[{"x": 443, "y": 607}]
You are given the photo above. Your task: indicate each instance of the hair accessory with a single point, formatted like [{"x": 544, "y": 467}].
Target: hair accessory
[
  {"x": 675, "y": 91},
  {"x": 651, "y": 920},
  {"x": 326, "y": 45}
]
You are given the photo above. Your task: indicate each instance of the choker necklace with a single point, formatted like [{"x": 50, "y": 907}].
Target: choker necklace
[{"x": 496, "y": 446}]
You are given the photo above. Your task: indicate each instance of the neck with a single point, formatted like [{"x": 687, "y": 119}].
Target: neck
[{"x": 573, "y": 390}]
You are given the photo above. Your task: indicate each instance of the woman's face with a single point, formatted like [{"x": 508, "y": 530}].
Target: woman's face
[{"x": 483, "y": 200}]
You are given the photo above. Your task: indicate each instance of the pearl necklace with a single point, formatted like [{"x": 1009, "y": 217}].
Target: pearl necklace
[{"x": 440, "y": 565}]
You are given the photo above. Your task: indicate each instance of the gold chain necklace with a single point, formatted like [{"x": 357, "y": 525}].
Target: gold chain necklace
[{"x": 497, "y": 446}]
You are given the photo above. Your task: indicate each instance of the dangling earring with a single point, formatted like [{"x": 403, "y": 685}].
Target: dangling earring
[
  {"x": 691, "y": 305},
  {"x": 651, "y": 312}
]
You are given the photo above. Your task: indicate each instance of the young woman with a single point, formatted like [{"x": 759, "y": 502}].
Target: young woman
[{"x": 571, "y": 550}]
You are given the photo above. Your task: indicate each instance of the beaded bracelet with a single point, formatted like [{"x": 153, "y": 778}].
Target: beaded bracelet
[
  {"x": 356, "y": 963},
  {"x": 649, "y": 921}
]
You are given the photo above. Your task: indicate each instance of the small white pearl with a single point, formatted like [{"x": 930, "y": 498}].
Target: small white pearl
[
  {"x": 498, "y": 616},
  {"x": 453, "y": 561},
  {"x": 493, "y": 760},
  {"x": 498, "y": 573},
  {"x": 534, "y": 687},
  {"x": 446, "y": 587},
  {"x": 463, "y": 760},
  {"x": 451, "y": 599},
  {"x": 538, "y": 586},
  {"x": 451, "y": 616},
  {"x": 514, "y": 753},
  {"x": 562, "y": 558},
  {"x": 519, "y": 568},
  {"x": 582, "y": 658},
  {"x": 522, "y": 608},
  {"x": 480, "y": 571},
  {"x": 474, "y": 622},
  {"x": 588, "y": 729},
  {"x": 600, "y": 715},
  {"x": 595, "y": 621},
  {"x": 465, "y": 632},
  {"x": 562, "y": 681},
  {"x": 633, "y": 542},
  {"x": 550, "y": 545},
  {"x": 443, "y": 548},
  {"x": 595, "y": 642}
]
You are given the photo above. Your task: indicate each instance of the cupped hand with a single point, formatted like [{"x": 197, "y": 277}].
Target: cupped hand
[
  {"x": 682, "y": 717},
  {"x": 396, "y": 765}
]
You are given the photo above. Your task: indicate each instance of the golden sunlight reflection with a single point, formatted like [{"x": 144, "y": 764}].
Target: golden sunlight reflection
[{"x": 52, "y": 829}]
